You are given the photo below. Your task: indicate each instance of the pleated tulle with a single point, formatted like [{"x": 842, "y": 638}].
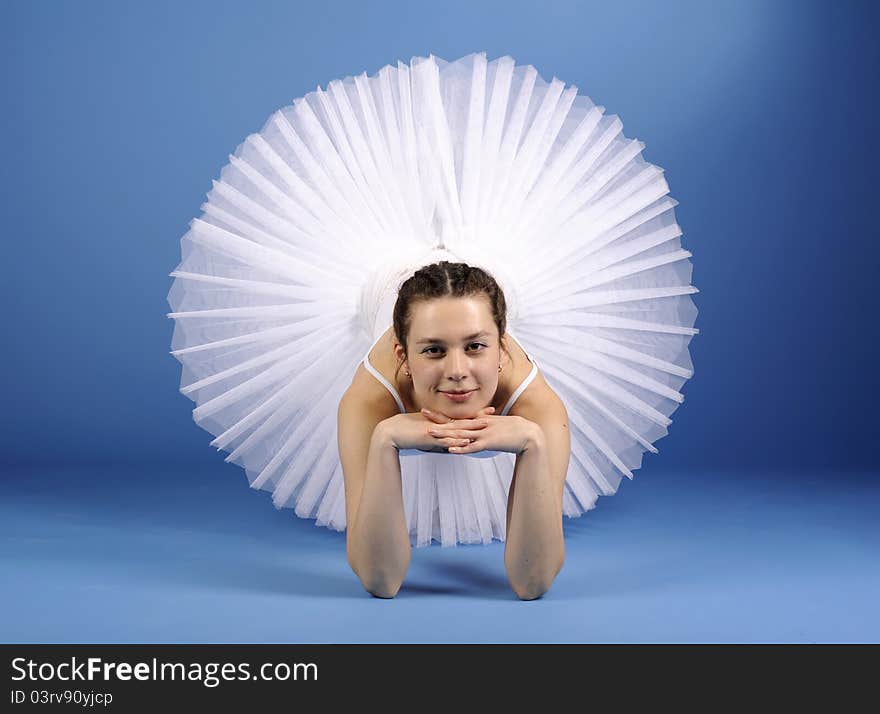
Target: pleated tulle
[{"x": 291, "y": 271}]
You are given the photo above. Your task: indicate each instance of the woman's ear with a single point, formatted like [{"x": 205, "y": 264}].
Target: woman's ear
[
  {"x": 399, "y": 353},
  {"x": 505, "y": 351}
]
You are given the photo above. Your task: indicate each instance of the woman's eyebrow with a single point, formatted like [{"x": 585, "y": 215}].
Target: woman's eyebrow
[{"x": 482, "y": 333}]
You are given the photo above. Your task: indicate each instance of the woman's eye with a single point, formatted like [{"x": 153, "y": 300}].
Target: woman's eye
[{"x": 437, "y": 350}]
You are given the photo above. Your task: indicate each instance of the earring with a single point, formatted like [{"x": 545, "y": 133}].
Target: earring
[
  {"x": 499, "y": 367},
  {"x": 406, "y": 372}
]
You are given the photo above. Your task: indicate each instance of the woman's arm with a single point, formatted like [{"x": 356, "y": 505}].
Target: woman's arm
[
  {"x": 378, "y": 544},
  {"x": 380, "y": 549},
  {"x": 534, "y": 551},
  {"x": 377, "y": 540}
]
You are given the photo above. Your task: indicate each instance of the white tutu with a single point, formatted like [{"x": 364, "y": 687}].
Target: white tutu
[{"x": 285, "y": 279}]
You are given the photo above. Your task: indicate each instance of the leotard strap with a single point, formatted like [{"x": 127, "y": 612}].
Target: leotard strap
[
  {"x": 372, "y": 370},
  {"x": 525, "y": 383},
  {"x": 521, "y": 388}
]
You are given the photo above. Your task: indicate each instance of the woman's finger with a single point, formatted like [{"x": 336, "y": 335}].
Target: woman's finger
[
  {"x": 461, "y": 433},
  {"x": 454, "y": 441},
  {"x": 434, "y": 416},
  {"x": 466, "y": 448},
  {"x": 443, "y": 419}
]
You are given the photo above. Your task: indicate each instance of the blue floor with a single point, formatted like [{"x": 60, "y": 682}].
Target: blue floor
[{"x": 137, "y": 554}]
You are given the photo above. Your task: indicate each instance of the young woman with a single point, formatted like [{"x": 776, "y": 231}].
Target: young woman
[
  {"x": 292, "y": 270},
  {"x": 447, "y": 377}
]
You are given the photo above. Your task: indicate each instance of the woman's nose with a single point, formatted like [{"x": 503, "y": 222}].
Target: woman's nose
[{"x": 455, "y": 364}]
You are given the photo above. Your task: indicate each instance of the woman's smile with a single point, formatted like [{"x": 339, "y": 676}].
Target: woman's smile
[{"x": 459, "y": 396}]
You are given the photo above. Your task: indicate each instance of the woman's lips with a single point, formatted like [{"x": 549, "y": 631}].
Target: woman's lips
[{"x": 459, "y": 397}]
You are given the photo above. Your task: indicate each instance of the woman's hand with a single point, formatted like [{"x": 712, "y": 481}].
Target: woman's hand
[
  {"x": 412, "y": 431},
  {"x": 500, "y": 433}
]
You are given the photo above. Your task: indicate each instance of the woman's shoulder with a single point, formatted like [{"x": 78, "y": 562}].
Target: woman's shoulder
[
  {"x": 538, "y": 397},
  {"x": 538, "y": 401},
  {"x": 365, "y": 389}
]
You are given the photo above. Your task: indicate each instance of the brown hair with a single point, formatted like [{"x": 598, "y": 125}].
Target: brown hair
[{"x": 445, "y": 279}]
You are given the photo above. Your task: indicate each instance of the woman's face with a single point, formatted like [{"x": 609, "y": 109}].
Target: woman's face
[{"x": 453, "y": 347}]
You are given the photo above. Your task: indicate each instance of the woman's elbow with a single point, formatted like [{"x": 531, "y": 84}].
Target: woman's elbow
[
  {"x": 386, "y": 588},
  {"x": 532, "y": 585},
  {"x": 380, "y": 581}
]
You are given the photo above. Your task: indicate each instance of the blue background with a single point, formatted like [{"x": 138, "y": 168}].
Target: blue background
[{"x": 117, "y": 116}]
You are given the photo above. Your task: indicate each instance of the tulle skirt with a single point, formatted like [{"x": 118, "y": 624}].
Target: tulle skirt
[{"x": 291, "y": 271}]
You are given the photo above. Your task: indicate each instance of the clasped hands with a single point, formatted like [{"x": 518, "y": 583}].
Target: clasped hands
[{"x": 435, "y": 431}]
